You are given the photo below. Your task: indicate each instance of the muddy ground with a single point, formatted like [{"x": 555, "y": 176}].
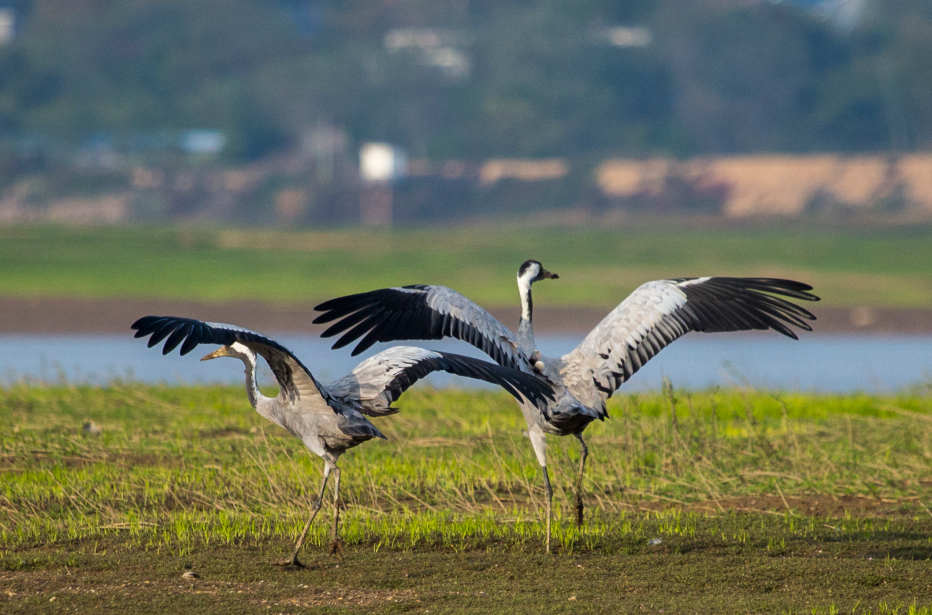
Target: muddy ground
[{"x": 706, "y": 573}]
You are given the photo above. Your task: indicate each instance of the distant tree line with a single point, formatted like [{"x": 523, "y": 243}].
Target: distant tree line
[{"x": 717, "y": 76}]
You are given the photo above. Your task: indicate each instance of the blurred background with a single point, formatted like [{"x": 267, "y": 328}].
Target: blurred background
[
  {"x": 326, "y": 112},
  {"x": 242, "y": 160}
]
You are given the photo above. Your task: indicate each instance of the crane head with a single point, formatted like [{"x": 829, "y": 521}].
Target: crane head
[
  {"x": 533, "y": 271},
  {"x": 235, "y": 350},
  {"x": 223, "y": 351}
]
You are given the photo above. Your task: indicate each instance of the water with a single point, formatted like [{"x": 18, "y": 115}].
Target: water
[{"x": 841, "y": 363}]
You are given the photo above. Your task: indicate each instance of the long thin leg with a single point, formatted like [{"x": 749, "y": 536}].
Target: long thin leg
[
  {"x": 549, "y": 493},
  {"x": 539, "y": 442},
  {"x": 582, "y": 467},
  {"x": 335, "y": 545},
  {"x": 315, "y": 508}
]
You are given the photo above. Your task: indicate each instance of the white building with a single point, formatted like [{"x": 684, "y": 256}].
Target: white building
[{"x": 380, "y": 164}]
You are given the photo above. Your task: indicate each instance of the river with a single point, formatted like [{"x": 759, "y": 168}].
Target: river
[{"x": 826, "y": 363}]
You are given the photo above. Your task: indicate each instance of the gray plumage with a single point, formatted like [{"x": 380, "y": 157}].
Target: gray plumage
[
  {"x": 329, "y": 419},
  {"x": 652, "y": 317}
]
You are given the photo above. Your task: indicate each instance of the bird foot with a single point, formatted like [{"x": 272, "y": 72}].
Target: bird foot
[
  {"x": 291, "y": 562},
  {"x": 580, "y": 507},
  {"x": 336, "y": 548}
]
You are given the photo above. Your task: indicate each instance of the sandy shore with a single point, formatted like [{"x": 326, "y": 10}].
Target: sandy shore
[{"x": 56, "y": 316}]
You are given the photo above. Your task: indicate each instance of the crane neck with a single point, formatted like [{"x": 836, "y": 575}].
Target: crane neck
[
  {"x": 262, "y": 404},
  {"x": 525, "y": 327}
]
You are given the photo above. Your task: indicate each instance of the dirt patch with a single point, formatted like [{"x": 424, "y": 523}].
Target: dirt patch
[
  {"x": 100, "y": 316},
  {"x": 307, "y": 597},
  {"x": 714, "y": 576}
]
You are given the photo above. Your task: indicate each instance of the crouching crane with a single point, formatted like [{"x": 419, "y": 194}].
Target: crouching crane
[
  {"x": 329, "y": 419},
  {"x": 652, "y": 317}
]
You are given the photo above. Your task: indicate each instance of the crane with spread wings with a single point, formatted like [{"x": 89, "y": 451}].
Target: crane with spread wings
[{"x": 652, "y": 317}]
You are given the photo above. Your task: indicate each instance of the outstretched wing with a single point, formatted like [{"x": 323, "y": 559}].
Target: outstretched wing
[
  {"x": 380, "y": 380},
  {"x": 419, "y": 313},
  {"x": 660, "y": 312},
  {"x": 294, "y": 380}
]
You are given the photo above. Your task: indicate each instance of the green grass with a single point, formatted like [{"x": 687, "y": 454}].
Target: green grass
[
  {"x": 761, "y": 502},
  {"x": 881, "y": 267}
]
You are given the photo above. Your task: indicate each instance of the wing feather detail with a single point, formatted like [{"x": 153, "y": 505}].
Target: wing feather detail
[
  {"x": 381, "y": 379},
  {"x": 419, "y": 313},
  {"x": 660, "y": 312},
  {"x": 294, "y": 379}
]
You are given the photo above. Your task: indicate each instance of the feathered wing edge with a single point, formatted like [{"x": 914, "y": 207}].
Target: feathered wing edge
[
  {"x": 742, "y": 304},
  {"x": 660, "y": 312},
  {"x": 189, "y": 333},
  {"x": 418, "y": 312},
  {"x": 517, "y": 383},
  {"x": 380, "y": 380}
]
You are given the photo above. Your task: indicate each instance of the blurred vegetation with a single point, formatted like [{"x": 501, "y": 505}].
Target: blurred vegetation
[
  {"x": 717, "y": 77},
  {"x": 846, "y": 267}
]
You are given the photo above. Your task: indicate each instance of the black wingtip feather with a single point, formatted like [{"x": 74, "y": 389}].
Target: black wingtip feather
[
  {"x": 358, "y": 350},
  {"x": 148, "y": 324},
  {"x": 180, "y": 334},
  {"x": 341, "y": 302},
  {"x": 162, "y": 331},
  {"x": 192, "y": 340}
]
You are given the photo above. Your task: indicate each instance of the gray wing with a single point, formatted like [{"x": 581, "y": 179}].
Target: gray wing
[
  {"x": 380, "y": 380},
  {"x": 660, "y": 312},
  {"x": 294, "y": 379},
  {"x": 419, "y": 313}
]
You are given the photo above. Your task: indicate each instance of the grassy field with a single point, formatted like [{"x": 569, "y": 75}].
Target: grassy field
[
  {"x": 708, "y": 502},
  {"x": 881, "y": 267}
]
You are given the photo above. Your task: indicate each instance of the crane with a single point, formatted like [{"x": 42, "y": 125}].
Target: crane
[
  {"x": 329, "y": 419},
  {"x": 652, "y": 317}
]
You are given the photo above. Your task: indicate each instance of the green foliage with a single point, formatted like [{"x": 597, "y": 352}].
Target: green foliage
[
  {"x": 847, "y": 268},
  {"x": 144, "y": 65},
  {"x": 179, "y": 467},
  {"x": 717, "y": 77}
]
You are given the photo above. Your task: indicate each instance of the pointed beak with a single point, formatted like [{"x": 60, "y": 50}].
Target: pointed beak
[
  {"x": 547, "y": 275},
  {"x": 220, "y": 352}
]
